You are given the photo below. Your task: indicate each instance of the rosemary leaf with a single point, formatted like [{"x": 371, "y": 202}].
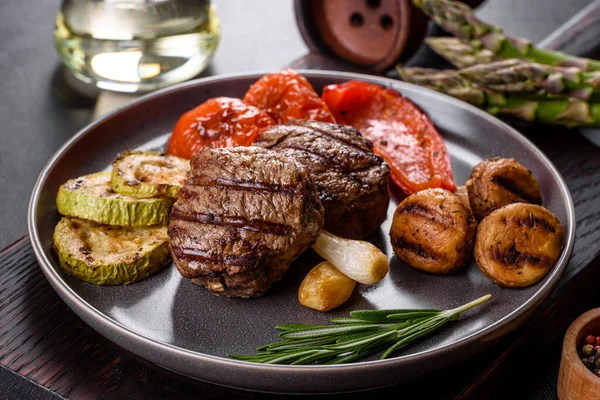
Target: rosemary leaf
[
  {"x": 260, "y": 358},
  {"x": 329, "y": 330},
  {"x": 382, "y": 315},
  {"x": 358, "y": 355},
  {"x": 416, "y": 327},
  {"x": 414, "y": 335},
  {"x": 352, "y": 339},
  {"x": 413, "y": 315},
  {"x": 288, "y": 358},
  {"x": 355, "y": 336},
  {"x": 317, "y": 356},
  {"x": 377, "y": 337},
  {"x": 298, "y": 327},
  {"x": 297, "y": 344},
  {"x": 349, "y": 321}
]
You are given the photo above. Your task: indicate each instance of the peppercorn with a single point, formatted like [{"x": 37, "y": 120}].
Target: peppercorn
[
  {"x": 589, "y": 339},
  {"x": 588, "y": 350},
  {"x": 589, "y": 353},
  {"x": 589, "y": 361}
]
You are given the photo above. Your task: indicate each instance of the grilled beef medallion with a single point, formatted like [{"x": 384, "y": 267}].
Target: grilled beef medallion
[
  {"x": 352, "y": 181},
  {"x": 496, "y": 182},
  {"x": 433, "y": 231},
  {"x": 518, "y": 244},
  {"x": 241, "y": 217}
]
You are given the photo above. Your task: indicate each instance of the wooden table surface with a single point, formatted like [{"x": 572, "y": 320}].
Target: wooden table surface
[{"x": 48, "y": 352}]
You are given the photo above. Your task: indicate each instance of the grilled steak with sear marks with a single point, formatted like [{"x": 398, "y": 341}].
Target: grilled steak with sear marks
[
  {"x": 352, "y": 181},
  {"x": 241, "y": 217}
]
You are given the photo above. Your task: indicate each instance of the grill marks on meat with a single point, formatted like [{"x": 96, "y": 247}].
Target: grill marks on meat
[
  {"x": 433, "y": 231},
  {"x": 261, "y": 187},
  {"x": 255, "y": 225},
  {"x": 208, "y": 257},
  {"x": 242, "y": 216},
  {"x": 351, "y": 180},
  {"x": 339, "y": 149},
  {"x": 496, "y": 182},
  {"x": 518, "y": 244}
]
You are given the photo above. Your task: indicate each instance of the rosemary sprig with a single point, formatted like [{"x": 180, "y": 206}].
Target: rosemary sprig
[{"x": 351, "y": 339}]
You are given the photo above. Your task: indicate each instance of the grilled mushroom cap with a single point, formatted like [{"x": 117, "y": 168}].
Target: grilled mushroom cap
[
  {"x": 496, "y": 182},
  {"x": 433, "y": 231},
  {"x": 462, "y": 193},
  {"x": 518, "y": 244}
]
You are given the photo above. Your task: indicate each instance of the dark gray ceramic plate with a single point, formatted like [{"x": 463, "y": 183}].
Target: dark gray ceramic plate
[{"x": 170, "y": 321}]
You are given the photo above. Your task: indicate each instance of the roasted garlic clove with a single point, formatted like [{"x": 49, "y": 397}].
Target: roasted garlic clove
[{"x": 325, "y": 287}]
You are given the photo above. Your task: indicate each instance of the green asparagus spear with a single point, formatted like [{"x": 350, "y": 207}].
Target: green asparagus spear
[
  {"x": 446, "y": 81},
  {"x": 525, "y": 78},
  {"x": 461, "y": 54},
  {"x": 559, "y": 111},
  {"x": 458, "y": 19},
  {"x": 516, "y": 75}
]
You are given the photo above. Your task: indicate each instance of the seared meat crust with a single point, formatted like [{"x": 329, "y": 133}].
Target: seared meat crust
[
  {"x": 241, "y": 217},
  {"x": 352, "y": 181}
]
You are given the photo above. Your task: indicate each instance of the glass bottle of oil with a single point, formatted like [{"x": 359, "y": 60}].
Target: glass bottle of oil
[{"x": 136, "y": 45}]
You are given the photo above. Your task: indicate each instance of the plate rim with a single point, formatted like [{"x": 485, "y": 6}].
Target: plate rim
[{"x": 78, "y": 304}]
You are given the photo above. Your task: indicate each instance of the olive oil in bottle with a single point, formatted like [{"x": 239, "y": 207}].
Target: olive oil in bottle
[{"x": 136, "y": 45}]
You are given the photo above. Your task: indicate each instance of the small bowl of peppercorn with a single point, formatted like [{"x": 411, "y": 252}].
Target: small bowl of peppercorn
[{"x": 579, "y": 375}]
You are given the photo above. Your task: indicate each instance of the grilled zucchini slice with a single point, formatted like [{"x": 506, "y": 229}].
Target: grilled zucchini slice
[
  {"x": 91, "y": 197},
  {"x": 110, "y": 255},
  {"x": 148, "y": 173}
]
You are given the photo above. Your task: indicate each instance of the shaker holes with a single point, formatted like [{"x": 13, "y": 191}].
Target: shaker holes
[
  {"x": 386, "y": 22},
  {"x": 356, "y": 20}
]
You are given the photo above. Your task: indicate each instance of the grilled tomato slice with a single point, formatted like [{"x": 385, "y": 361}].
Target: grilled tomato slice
[
  {"x": 288, "y": 96},
  {"x": 218, "y": 122},
  {"x": 401, "y": 133}
]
